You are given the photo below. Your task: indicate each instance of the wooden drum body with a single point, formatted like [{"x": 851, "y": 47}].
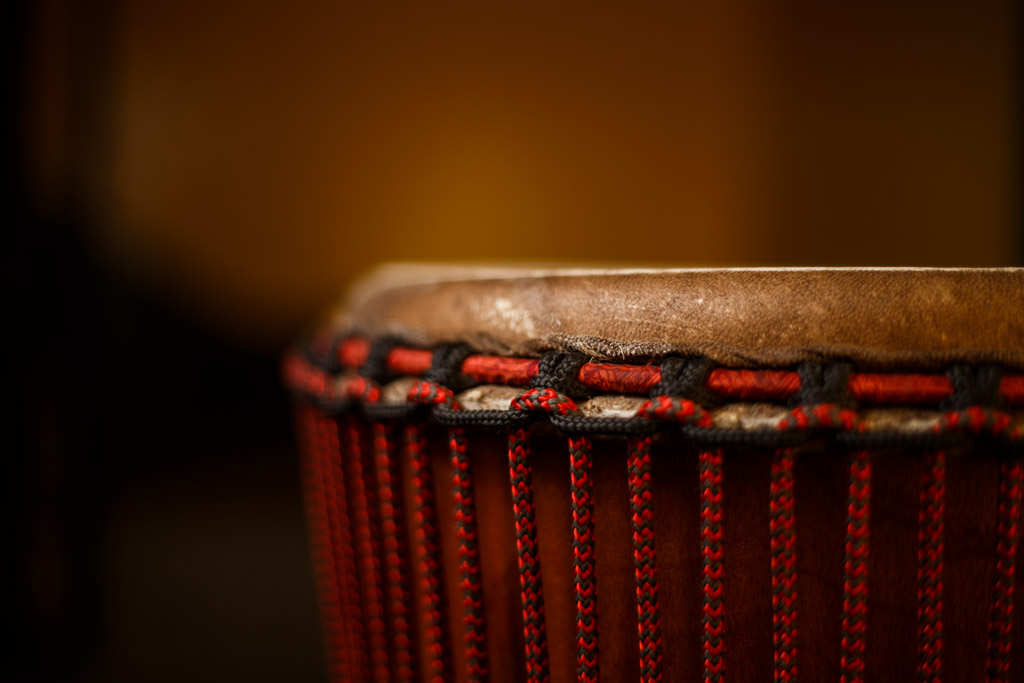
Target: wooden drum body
[{"x": 751, "y": 475}]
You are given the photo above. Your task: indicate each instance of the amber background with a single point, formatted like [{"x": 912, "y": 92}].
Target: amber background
[{"x": 193, "y": 181}]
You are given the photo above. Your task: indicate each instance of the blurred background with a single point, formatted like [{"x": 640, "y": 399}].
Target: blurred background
[{"x": 191, "y": 182}]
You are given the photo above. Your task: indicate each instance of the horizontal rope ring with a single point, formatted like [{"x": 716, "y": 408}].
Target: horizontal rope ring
[
  {"x": 544, "y": 401},
  {"x": 672, "y": 408},
  {"x": 434, "y": 394},
  {"x": 981, "y": 421},
  {"x": 821, "y": 416}
]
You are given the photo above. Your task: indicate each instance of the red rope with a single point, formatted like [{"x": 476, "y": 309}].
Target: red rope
[
  {"x": 728, "y": 383},
  {"x": 930, "y": 567},
  {"x": 1011, "y": 484},
  {"x": 644, "y": 558},
  {"x": 855, "y": 585},
  {"x": 317, "y": 518},
  {"x": 469, "y": 558},
  {"x": 395, "y": 555},
  {"x": 712, "y": 554},
  {"x": 474, "y": 629},
  {"x": 350, "y": 646},
  {"x": 783, "y": 564},
  {"x": 431, "y": 579},
  {"x": 367, "y": 553},
  {"x": 580, "y": 472},
  {"x": 534, "y": 629}
]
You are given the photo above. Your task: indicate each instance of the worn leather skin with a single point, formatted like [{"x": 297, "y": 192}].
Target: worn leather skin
[{"x": 886, "y": 319}]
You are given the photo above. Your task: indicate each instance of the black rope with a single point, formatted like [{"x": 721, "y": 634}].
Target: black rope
[
  {"x": 558, "y": 370},
  {"x": 577, "y": 425},
  {"x": 446, "y": 367},
  {"x": 492, "y": 419},
  {"x": 824, "y": 383},
  {"x": 376, "y": 365},
  {"x": 687, "y": 378},
  {"x": 975, "y": 386}
]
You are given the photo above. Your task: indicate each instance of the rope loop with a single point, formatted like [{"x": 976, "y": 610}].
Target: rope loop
[{"x": 824, "y": 383}]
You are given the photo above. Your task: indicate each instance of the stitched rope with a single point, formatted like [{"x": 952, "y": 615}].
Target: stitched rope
[
  {"x": 1000, "y": 631},
  {"x": 429, "y": 567},
  {"x": 930, "y": 567},
  {"x": 985, "y": 422},
  {"x": 324, "y": 569},
  {"x": 469, "y": 558},
  {"x": 782, "y": 523},
  {"x": 712, "y": 554},
  {"x": 367, "y": 553},
  {"x": 548, "y": 400},
  {"x": 982, "y": 420},
  {"x": 396, "y": 558},
  {"x": 534, "y": 629},
  {"x": 783, "y": 564},
  {"x": 644, "y": 558},
  {"x": 580, "y": 466},
  {"x": 855, "y": 574},
  {"x": 474, "y": 634},
  {"x": 689, "y": 413},
  {"x": 342, "y": 547}
]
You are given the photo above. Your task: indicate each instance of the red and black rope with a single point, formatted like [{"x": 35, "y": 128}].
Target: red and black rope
[
  {"x": 474, "y": 629},
  {"x": 434, "y": 631},
  {"x": 392, "y": 516},
  {"x": 325, "y": 571},
  {"x": 469, "y": 558},
  {"x": 712, "y": 554},
  {"x": 534, "y": 626},
  {"x": 645, "y": 558},
  {"x": 783, "y": 565},
  {"x": 350, "y": 646},
  {"x": 1000, "y": 631},
  {"x": 930, "y": 541},
  {"x": 333, "y": 496},
  {"x": 728, "y": 383},
  {"x": 549, "y": 400},
  {"x": 684, "y": 412},
  {"x": 855, "y": 570},
  {"x": 365, "y": 527},
  {"x": 581, "y": 476}
]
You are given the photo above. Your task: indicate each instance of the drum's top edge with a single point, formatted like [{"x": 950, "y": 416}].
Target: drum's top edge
[
  {"x": 416, "y": 272},
  {"x": 742, "y": 317}
]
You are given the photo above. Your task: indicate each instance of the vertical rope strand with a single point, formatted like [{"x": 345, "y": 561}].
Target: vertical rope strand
[
  {"x": 320, "y": 524},
  {"x": 712, "y": 553},
  {"x": 396, "y": 560},
  {"x": 343, "y": 548},
  {"x": 429, "y": 570},
  {"x": 1000, "y": 630},
  {"x": 367, "y": 553},
  {"x": 930, "y": 543},
  {"x": 581, "y": 477},
  {"x": 783, "y": 565},
  {"x": 474, "y": 634},
  {"x": 534, "y": 629},
  {"x": 644, "y": 558},
  {"x": 855, "y": 575}
]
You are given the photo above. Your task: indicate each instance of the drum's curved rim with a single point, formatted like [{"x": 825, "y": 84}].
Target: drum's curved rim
[{"x": 877, "y": 317}]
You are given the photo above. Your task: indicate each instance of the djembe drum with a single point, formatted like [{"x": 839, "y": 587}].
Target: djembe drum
[{"x": 685, "y": 474}]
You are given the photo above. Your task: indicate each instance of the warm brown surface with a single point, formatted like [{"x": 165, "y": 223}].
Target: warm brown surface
[
  {"x": 252, "y": 158},
  {"x": 880, "y": 319}
]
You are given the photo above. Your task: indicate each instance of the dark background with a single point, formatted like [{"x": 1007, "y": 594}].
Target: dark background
[{"x": 191, "y": 182}]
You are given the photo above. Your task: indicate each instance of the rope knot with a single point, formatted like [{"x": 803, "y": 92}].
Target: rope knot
[
  {"x": 432, "y": 394},
  {"x": 545, "y": 401},
  {"x": 824, "y": 384}
]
